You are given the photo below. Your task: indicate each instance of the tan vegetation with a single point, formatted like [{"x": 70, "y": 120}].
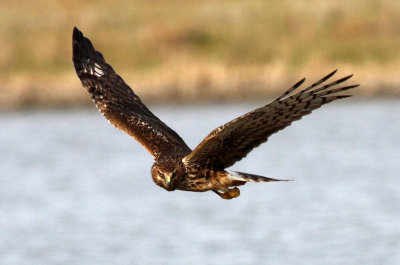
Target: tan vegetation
[{"x": 197, "y": 50}]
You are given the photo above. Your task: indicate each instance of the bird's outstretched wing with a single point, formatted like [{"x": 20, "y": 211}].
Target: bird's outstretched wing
[
  {"x": 233, "y": 141},
  {"x": 119, "y": 104}
]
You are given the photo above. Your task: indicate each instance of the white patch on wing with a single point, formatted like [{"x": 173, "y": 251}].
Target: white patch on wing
[
  {"x": 97, "y": 70},
  {"x": 89, "y": 68}
]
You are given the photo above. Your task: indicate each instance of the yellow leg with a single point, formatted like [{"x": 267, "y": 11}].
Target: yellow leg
[{"x": 229, "y": 193}]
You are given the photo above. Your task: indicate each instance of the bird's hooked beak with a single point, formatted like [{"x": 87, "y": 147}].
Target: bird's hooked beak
[{"x": 168, "y": 180}]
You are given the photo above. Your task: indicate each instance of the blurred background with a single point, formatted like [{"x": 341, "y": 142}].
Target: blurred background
[
  {"x": 75, "y": 190},
  {"x": 197, "y": 50}
]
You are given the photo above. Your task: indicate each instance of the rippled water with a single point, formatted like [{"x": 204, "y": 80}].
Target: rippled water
[{"x": 75, "y": 190}]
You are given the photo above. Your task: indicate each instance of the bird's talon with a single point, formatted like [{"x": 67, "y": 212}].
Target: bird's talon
[{"x": 229, "y": 194}]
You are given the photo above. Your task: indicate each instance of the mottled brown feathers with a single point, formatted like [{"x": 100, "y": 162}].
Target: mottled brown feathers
[
  {"x": 176, "y": 166},
  {"x": 119, "y": 104},
  {"x": 231, "y": 142}
]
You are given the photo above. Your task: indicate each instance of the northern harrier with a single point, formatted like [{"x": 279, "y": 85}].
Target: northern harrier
[{"x": 176, "y": 166}]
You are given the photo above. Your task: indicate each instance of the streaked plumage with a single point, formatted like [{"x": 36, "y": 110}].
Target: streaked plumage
[{"x": 176, "y": 165}]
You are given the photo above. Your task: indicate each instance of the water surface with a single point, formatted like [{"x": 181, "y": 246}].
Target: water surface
[{"x": 75, "y": 190}]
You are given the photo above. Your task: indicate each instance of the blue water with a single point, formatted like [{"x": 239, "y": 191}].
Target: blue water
[{"x": 75, "y": 190}]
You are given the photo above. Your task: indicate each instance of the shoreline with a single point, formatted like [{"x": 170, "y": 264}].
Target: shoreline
[{"x": 201, "y": 84}]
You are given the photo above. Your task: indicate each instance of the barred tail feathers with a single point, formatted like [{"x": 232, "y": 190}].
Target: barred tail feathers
[{"x": 241, "y": 176}]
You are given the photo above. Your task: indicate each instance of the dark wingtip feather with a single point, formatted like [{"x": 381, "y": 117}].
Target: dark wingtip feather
[
  {"x": 82, "y": 50},
  {"x": 80, "y": 42},
  {"x": 322, "y": 80},
  {"x": 328, "y": 76},
  {"x": 344, "y": 78},
  {"x": 76, "y": 31},
  {"x": 353, "y": 86},
  {"x": 337, "y": 90},
  {"x": 312, "y": 86},
  {"x": 328, "y": 99},
  {"x": 77, "y": 36},
  {"x": 299, "y": 83},
  {"x": 343, "y": 96}
]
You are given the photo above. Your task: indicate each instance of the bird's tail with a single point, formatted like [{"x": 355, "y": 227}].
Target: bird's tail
[{"x": 240, "y": 176}]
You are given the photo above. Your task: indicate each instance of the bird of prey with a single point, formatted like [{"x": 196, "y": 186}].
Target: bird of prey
[{"x": 176, "y": 166}]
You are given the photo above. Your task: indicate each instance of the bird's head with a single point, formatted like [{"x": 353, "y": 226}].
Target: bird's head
[{"x": 165, "y": 177}]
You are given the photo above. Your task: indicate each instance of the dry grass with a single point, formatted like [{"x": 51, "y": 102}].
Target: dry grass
[{"x": 197, "y": 50}]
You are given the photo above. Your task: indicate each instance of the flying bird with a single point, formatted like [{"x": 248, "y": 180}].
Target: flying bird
[{"x": 176, "y": 166}]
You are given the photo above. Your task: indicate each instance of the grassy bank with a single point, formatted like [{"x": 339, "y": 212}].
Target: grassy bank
[{"x": 197, "y": 50}]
